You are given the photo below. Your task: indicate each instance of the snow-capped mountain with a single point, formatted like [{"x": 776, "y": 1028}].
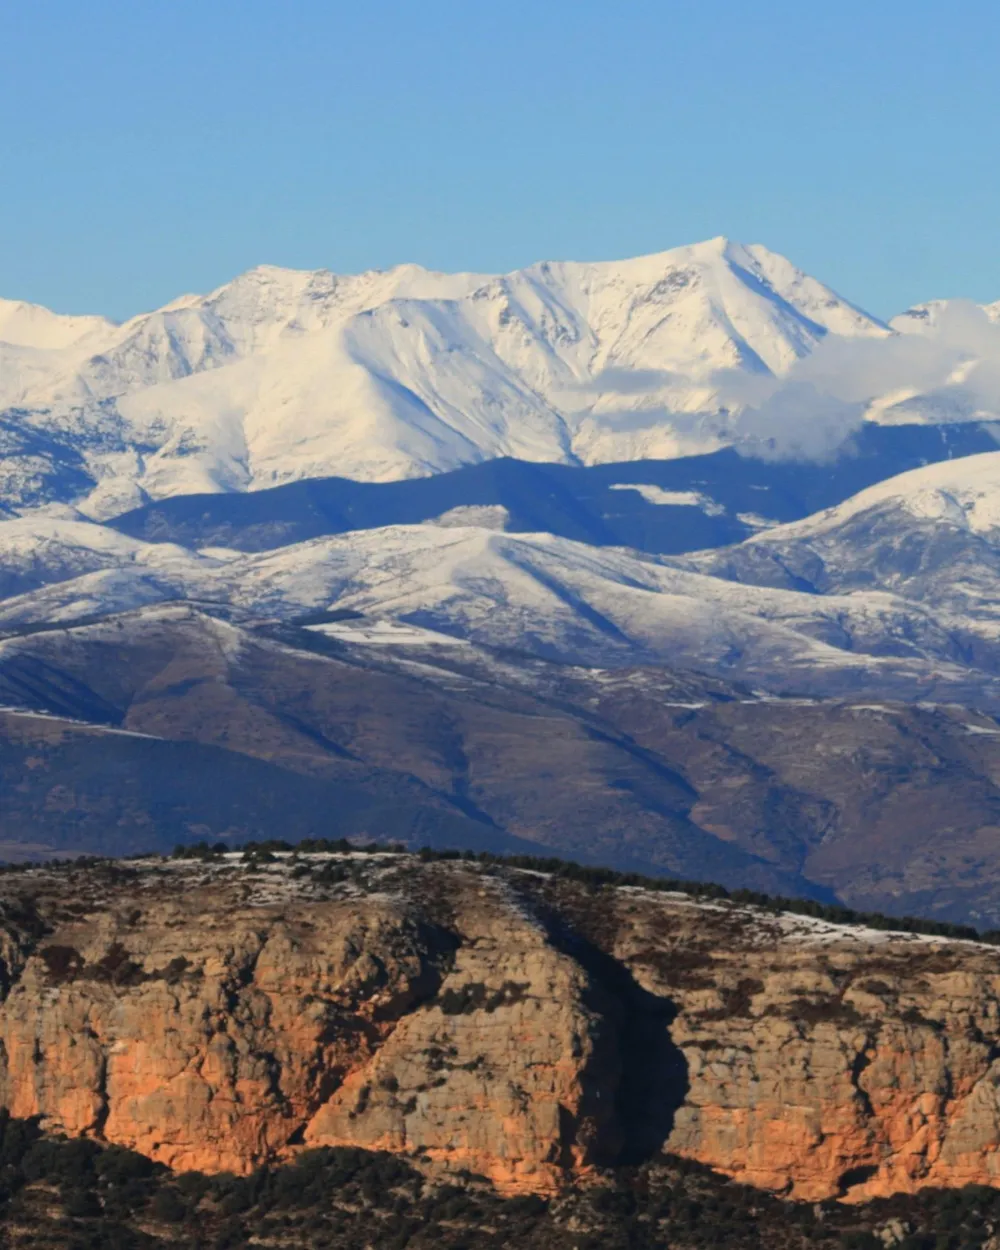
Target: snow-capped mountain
[
  {"x": 282, "y": 375},
  {"x": 483, "y": 611},
  {"x": 398, "y": 377},
  {"x": 932, "y": 534},
  {"x": 31, "y": 326},
  {"x": 923, "y": 318}
]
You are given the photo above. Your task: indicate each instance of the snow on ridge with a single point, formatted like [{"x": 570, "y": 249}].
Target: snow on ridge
[
  {"x": 964, "y": 492},
  {"x": 283, "y": 374},
  {"x": 481, "y": 516},
  {"x": 83, "y": 725},
  {"x": 535, "y": 593},
  {"x": 382, "y": 633},
  {"x": 794, "y": 926},
  {"x": 33, "y": 326},
  {"x": 53, "y": 547},
  {"x": 923, "y": 317}
]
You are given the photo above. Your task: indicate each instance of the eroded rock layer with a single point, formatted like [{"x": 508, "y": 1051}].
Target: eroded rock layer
[{"x": 518, "y": 1026}]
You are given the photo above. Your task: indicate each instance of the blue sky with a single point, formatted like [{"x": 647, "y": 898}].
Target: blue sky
[{"x": 147, "y": 149}]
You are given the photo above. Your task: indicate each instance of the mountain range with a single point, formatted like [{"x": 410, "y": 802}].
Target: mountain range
[
  {"x": 283, "y": 375},
  {"x": 683, "y": 563}
]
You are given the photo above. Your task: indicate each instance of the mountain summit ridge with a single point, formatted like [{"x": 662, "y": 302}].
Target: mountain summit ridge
[{"x": 285, "y": 374}]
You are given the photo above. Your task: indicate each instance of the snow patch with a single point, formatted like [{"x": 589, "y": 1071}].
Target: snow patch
[
  {"x": 674, "y": 498},
  {"x": 385, "y": 634},
  {"x": 483, "y": 516},
  {"x": 754, "y": 521}
]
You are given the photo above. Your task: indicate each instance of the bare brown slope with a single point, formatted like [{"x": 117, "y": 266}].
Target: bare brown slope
[
  {"x": 68, "y": 789},
  {"x": 888, "y": 806},
  {"x": 511, "y": 765},
  {"x": 892, "y": 806}
]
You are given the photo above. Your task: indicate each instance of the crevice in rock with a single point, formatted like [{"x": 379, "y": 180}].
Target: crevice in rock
[
  {"x": 104, "y": 1110},
  {"x": 21, "y": 929},
  {"x": 860, "y": 1062},
  {"x": 648, "y": 1074}
]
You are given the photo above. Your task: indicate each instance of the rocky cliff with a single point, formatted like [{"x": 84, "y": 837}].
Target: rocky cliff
[{"x": 512, "y": 1024}]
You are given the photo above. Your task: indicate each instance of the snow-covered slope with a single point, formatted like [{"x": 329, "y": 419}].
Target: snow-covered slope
[
  {"x": 964, "y": 493},
  {"x": 550, "y": 597},
  {"x": 932, "y": 534},
  {"x": 385, "y": 375},
  {"x": 922, "y": 318},
  {"x": 42, "y": 552}
]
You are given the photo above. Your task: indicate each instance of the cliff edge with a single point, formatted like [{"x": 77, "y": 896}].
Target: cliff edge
[{"x": 222, "y": 1014}]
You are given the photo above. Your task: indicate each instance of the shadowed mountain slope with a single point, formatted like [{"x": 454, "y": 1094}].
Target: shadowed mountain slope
[{"x": 667, "y": 506}]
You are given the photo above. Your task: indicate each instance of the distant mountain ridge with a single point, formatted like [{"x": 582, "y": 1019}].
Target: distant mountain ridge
[{"x": 281, "y": 375}]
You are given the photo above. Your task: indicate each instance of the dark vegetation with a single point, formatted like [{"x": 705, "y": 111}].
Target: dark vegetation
[
  {"x": 79, "y": 1195},
  {"x": 475, "y": 996},
  {"x": 597, "y": 878},
  {"x": 65, "y": 964},
  {"x": 593, "y": 878}
]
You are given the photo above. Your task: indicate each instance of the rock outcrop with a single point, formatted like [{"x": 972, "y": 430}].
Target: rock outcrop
[{"x": 505, "y": 1023}]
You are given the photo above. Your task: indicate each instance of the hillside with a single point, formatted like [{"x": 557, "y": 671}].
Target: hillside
[
  {"x": 667, "y": 506},
  {"x": 932, "y": 534},
  {"x": 537, "y": 594},
  {"x": 142, "y": 731}
]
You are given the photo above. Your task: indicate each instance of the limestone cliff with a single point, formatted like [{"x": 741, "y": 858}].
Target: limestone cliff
[{"x": 217, "y": 1016}]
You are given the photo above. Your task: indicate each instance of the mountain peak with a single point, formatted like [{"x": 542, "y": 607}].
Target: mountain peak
[{"x": 282, "y": 374}]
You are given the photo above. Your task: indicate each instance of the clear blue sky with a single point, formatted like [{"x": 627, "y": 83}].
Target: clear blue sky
[{"x": 150, "y": 148}]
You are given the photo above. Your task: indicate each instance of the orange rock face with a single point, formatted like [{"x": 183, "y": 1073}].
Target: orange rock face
[{"x": 504, "y": 1024}]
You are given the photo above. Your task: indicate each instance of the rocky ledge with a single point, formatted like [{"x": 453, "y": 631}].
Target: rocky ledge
[{"x": 222, "y": 1014}]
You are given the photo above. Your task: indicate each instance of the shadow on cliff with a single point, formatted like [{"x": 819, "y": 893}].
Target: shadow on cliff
[{"x": 652, "y": 1074}]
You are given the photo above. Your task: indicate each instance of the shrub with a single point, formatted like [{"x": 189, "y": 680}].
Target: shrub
[{"x": 169, "y": 1206}]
